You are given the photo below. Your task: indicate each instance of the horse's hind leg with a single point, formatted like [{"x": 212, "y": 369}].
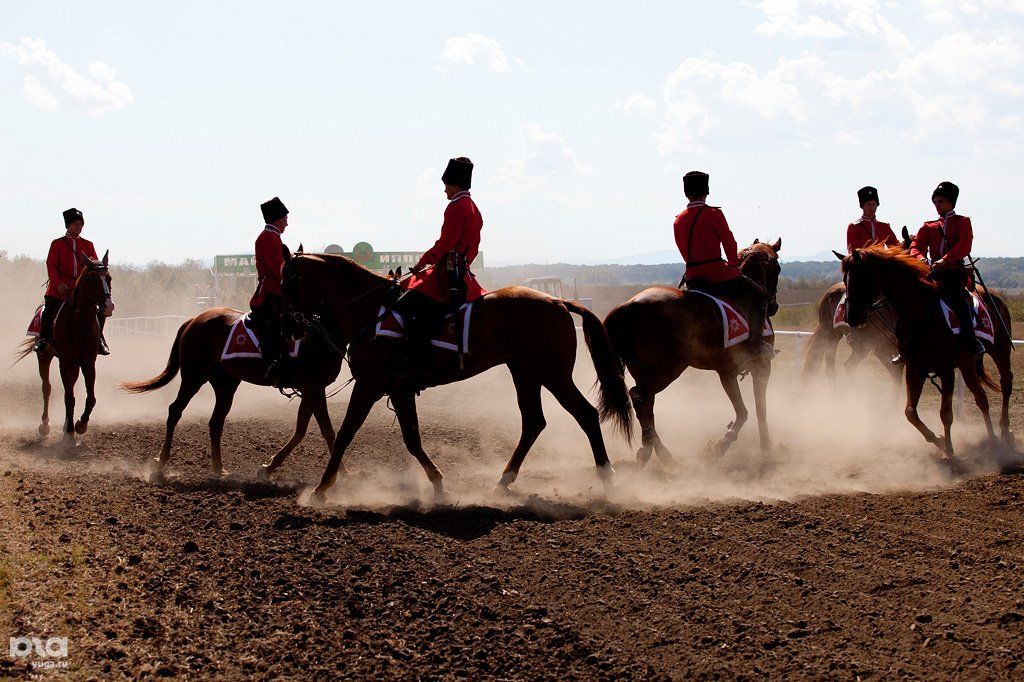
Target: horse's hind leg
[
  {"x": 532, "y": 413},
  {"x": 762, "y": 372},
  {"x": 69, "y": 376},
  {"x": 359, "y": 405},
  {"x": 731, "y": 385},
  {"x": 44, "y": 374},
  {"x": 915, "y": 384},
  {"x": 1002, "y": 359},
  {"x": 586, "y": 415},
  {"x": 974, "y": 385},
  {"x": 405, "y": 409},
  {"x": 190, "y": 385},
  {"x": 306, "y": 408},
  {"x": 224, "y": 387},
  {"x": 642, "y": 398},
  {"x": 89, "y": 377}
]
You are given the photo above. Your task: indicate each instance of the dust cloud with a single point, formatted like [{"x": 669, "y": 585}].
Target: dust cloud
[{"x": 855, "y": 440}]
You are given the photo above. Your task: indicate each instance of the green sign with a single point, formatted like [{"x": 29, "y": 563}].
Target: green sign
[{"x": 243, "y": 264}]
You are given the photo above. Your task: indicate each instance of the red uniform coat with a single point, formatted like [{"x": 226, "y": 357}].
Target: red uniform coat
[
  {"x": 702, "y": 247},
  {"x": 460, "y": 232},
  {"x": 949, "y": 237},
  {"x": 865, "y": 232},
  {"x": 269, "y": 262},
  {"x": 63, "y": 264}
]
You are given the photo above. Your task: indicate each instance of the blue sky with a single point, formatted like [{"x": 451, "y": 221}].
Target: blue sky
[{"x": 168, "y": 124}]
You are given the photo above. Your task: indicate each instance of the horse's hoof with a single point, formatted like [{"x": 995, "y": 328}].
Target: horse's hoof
[
  {"x": 507, "y": 479},
  {"x": 221, "y": 473},
  {"x": 81, "y": 427},
  {"x": 155, "y": 472},
  {"x": 643, "y": 456},
  {"x": 502, "y": 491},
  {"x": 44, "y": 429},
  {"x": 263, "y": 473},
  {"x": 318, "y": 499}
]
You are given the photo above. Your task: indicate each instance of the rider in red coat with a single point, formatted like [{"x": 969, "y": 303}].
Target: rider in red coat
[
  {"x": 947, "y": 241},
  {"x": 267, "y": 302},
  {"x": 63, "y": 265},
  {"x": 429, "y": 293},
  {"x": 867, "y": 230},
  {"x": 702, "y": 234}
]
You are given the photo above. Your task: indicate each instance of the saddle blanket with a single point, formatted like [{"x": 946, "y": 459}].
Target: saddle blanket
[
  {"x": 735, "y": 327},
  {"x": 243, "y": 342},
  {"x": 390, "y": 323},
  {"x": 839, "y": 317},
  {"x": 984, "y": 327},
  {"x": 36, "y": 325}
]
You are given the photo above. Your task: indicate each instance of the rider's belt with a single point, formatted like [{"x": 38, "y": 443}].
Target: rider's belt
[{"x": 705, "y": 262}]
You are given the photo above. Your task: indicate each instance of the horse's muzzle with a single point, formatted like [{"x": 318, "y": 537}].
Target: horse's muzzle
[{"x": 108, "y": 308}]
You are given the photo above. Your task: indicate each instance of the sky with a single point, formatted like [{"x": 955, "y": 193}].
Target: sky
[{"x": 168, "y": 124}]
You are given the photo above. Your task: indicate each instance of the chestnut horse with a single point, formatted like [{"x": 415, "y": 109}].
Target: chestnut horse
[
  {"x": 928, "y": 346},
  {"x": 196, "y": 353},
  {"x": 530, "y": 332},
  {"x": 876, "y": 338},
  {"x": 75, "y": 342},
  {"x": 662, "y": 330}
]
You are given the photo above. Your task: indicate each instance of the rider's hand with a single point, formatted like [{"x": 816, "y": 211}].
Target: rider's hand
[
  {"x": 417, "y": 269},
  {"x": 63, "y": 288}
]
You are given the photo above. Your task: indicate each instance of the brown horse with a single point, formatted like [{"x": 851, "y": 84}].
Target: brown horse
[
  {"x": 196, "y": 353},
  {"x": 928, "y": 346},
  {"x": 75, "y": 343},
  {"x": 530, "y": 332},
  {"x": 661, "y": 331},
  {"x": 875, "y": 338}
]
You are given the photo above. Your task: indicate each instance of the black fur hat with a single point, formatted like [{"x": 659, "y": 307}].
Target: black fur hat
[
  {"x": 459, "y": 172},
  {"x": 71, "y": 215},
  {"x": 695, "y": 184},
  {"x": 866, "y": 194},
  {"x": 948, "y": 191},
  {"x": 273, "y": 210}
]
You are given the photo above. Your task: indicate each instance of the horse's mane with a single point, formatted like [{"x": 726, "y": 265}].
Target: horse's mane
[
  {"x": 758, "y": 251},
  {"x": 892, "y": 258},
  {"x": 336, "y": 261}
]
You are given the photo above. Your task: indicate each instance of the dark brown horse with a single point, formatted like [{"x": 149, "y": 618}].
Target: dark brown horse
[
  {"x": 875, "y": 338},
  {"x": 928, "y": 346},
  {"x": 196, "y": 353},
  {"x": 530, "y": 332},
  {"x": 662, "y": 330},
  {"x": 75, "y": 343}
]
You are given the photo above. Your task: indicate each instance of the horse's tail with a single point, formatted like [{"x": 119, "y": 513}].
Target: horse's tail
[
  {"x": 819, "y": 338},
  {"x": 984, "y": 376},
  {"x": 23, "y": 350},
  {"x": 165, "y": 377},
  {"x": 614, "y": 402}
]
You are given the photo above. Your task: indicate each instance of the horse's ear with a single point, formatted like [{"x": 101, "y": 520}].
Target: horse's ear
[
  {"x": 777, "y": 246},
  {"x": 391, "y": 274},
  {"x": 840, "y": 256},
  {"x": 398, "y": 273},
  {"x": 756, "y": 240},
  {"x": 300, "y": 250},
  {"x": 106, "y": 257},
  {"x": 906, "y": 232}
]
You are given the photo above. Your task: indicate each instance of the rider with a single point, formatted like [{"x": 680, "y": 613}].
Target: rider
[
  {"x": 701, "y": 234},
  {"x": 867, "y": 231},
  {"x": 268, "y": 302},
  {"x": 427, "y": 294},
  {"x": 948, "y": 241},
  {"x": 63, "y": 263}
]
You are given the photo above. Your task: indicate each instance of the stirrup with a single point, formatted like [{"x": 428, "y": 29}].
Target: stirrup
[
  {"x": 896, "y": 359},
  {"x": 103, "y": 349},
  {"x": 979, "y": 348},
  {"x": 764, "y": 352},
  {"x": 41, "y": 346}
]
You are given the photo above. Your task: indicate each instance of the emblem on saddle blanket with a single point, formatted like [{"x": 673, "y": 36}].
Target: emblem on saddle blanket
[
  {"x": 35, "y": 327},
  {"x": 735, "y": 327},
  {"x": 390, "y": 323},
  {"x": 984, "y": 328},
  {"x": 243, "y": 342}
]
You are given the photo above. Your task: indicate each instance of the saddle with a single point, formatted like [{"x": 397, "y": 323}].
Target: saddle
[
  {"x": 454, "y": 334},
  {"x": 35, "y": 327},
  {"x": 984, "y": 325},
  {"x": 243, "y": 342},
  {"x": 735, "y": 326}
]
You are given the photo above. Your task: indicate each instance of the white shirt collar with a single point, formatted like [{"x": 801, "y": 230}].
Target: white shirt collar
[
  {"x": 272, "y": 228},
  {"x": 459, "y": 195},
  {"x": 695, "y": 203}
]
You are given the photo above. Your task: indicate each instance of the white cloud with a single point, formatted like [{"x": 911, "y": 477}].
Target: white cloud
[
  {"x": 98, "y": 90},
  {"x": 637, "y": 104},
  {"x": 473, "y": 49},
  {"x": 829, "y": 19},
  {"x": 546, "y": 156}
]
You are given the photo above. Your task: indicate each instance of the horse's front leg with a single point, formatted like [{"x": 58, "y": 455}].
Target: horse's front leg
[
  {"x": 731, "y": 384},
  {"x": 363, "y": 398},
  {"x": 915, "y": 384},
  {"x": 301, "y": 424},
  {"x": 762, "y": 372},
  {"x": 405, "y": 408},
  {"x": 69, "y": 377},
  {"x": 89, "y": 375},
  {"x": 947, "y": 385},
  {"x": 44, "y": 374}
]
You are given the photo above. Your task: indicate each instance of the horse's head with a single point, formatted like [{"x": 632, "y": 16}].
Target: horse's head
[
  {"x": 94, "y": 286},
  {"x": 871, "y": 273},
  {"x": 906, "y": 238},
  {"x": 760, "y": 262}
]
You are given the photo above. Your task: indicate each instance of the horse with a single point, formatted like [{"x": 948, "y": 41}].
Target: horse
[
  {"x": 530, "y": 332},
  {"x": 876, "y": 338},
  {"x": 196, "y": 354},
  {"x": 928, "y": 346},
  {"x": 75, "y": 344},
  {"x": 661, "y": 331}
]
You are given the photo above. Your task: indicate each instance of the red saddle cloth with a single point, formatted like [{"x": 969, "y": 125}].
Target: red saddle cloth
[
  {"x": 736, "y": 328},
  {"x": 839, "y": 317},
  {"x": 390, "y": 323},
  {"x": 243, "y": 342},
  {"x": 984, "y": 325},
  {"x": 35, "y": 327},
  {"x": 433, "y": 282}
]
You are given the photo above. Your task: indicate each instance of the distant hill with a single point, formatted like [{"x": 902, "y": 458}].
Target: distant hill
[{"x": 1000, "y": 273}]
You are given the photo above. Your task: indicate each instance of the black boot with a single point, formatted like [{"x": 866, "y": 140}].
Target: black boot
[
  {"x": 759, "y": 349},
  {"x": 104, "y": 349},
  {"x": 967, "y": 336},
  {"x": 42, "y": 344}
]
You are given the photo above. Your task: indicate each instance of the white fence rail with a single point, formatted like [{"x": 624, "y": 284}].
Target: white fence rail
[{"x": 162, "y": 327}]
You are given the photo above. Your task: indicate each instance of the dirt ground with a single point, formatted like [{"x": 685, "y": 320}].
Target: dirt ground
[{"x": 847, "y": 551}]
